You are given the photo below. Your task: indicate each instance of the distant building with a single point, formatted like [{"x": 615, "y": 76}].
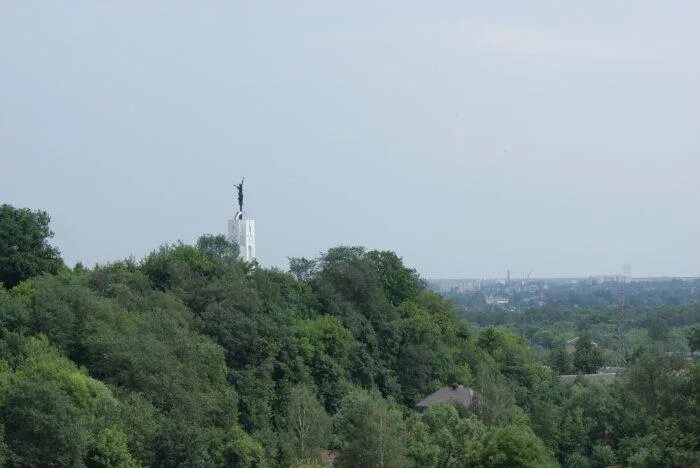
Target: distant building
[
  {"x": 602, "y": 279},
  {"x": 460, "y": 286},
  {"x": 463, "y": 396},
  {"x": 494, "y": 300}
]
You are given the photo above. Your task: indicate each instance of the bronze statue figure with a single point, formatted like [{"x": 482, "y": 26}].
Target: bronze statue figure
[{"x": 240, "y": 195}]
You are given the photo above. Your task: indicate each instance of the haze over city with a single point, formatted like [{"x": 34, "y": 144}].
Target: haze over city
[{"x": 469, "y": 138}]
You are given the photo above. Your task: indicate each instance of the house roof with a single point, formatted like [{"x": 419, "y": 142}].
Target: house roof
[{"x": 453, "y": 393}]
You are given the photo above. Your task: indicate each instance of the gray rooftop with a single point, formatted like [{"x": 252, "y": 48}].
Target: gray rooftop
[{"x": 453, "y": 393}]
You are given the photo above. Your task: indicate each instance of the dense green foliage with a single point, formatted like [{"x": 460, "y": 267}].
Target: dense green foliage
[
  {"x": 587, "y": 358},
  {"x": 24, "y": 247},
  {"x": 192, "y": 357},
  {"x": 648, "y": 416},
  {"x": 619, "y": 331}
]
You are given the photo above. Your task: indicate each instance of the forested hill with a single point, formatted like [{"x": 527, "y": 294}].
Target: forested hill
[{"x": 191, "y": 357}]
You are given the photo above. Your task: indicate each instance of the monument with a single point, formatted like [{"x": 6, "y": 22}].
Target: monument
[{"x": 241, "y": 230}]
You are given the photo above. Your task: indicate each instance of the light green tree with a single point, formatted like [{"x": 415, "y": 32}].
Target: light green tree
[
  {"x": 439, "y": 434},
  {"x": 373, "y": 432},
  {"x": 110, "y": 450},
  {"x": 507, "y": 447},
  {"x": 307, "y": 424}
]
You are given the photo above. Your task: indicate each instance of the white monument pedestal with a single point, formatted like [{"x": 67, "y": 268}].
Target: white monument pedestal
[{"x": 242, "y": 232}]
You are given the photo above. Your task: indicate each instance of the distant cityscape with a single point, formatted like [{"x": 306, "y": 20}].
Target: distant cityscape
[{"x": 536, "y": 292}]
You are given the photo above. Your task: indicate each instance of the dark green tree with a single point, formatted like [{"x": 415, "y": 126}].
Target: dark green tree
[
  {"x": 217, "y": 247},
  {"x": 560, "y": 361},
  {"x": 652, "y": 377},
  {"x": 42, "y": 427},
  {"x": 24, "y": 247},
  {"x": 302, "y": 268},
  {"x": 694, "y": 338},
  {"x": 399, "y": 282},
  {"x": 658, "y": 328},
  {"x": 587, "y": 357}
]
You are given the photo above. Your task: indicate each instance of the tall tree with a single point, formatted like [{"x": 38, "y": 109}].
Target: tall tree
[
  {"x": 587, "y": 357},
  {"x": 694, "y": 338},
  {"x": 439, "y": 434},
  {"x": 307, "y": 423},
  {"x": 24, "y": 246},
  {"x": 217, "y": 247},
  {"x": 302, "y": 268},
  {"x": 560, "y": 361},
  {"x": 399, "y": 282},
  {"x": 658, "y": 328},
  {"x": 372, "y": 429}
]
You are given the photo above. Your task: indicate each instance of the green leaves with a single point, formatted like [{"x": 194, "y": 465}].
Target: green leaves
[
  {"x": 506, "y": 447},
  {"x": 399, "y": 283},
  {"x": 694, "y": 338},
  {"x": 587, "y": 357},
  {"x": 561, "y": 361},
  {"x": 110, "y": 449},
  {"x": 51, "y": 409},
  {"x": 373, "y": 432},
  {"x": 24, "y": 247},
  {"x": 307, "y": 426},
  {"x": 325, "y": 334},
  {"x": 42, "y": 426},
  {"x": 439, "y": 435},
  {"x": 217, "y": 247}
]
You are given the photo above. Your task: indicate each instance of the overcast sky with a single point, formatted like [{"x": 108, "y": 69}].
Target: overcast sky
[{"x": 469, "y": 137}]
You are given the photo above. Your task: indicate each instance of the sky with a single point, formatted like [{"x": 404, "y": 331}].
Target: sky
[{"x": 561, "y": 138}]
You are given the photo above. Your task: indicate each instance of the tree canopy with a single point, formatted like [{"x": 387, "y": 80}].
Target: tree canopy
[{"x": 24, "y": 247}]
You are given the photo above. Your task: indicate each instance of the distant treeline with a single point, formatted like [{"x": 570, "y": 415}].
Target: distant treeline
[
  {"x": 639, "y": 317},
  {"x": 651, "y": 294}
]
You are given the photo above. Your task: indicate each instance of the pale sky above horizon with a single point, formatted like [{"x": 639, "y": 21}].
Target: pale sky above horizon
[{"x": 469, "y": 137}]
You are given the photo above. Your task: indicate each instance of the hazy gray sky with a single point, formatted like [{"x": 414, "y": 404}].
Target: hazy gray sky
[{"x": 469, "y": 137}]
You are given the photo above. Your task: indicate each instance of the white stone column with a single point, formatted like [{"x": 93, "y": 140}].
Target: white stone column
[{"x": 242, "y": 232}]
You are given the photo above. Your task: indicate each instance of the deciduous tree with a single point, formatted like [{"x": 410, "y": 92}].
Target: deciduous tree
[
  {"x": 373, "y": 432},
  {"x": 308, "y": 426},
  {"x": 24, "y": 247},
  {"x": 587, "y": 357}
]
